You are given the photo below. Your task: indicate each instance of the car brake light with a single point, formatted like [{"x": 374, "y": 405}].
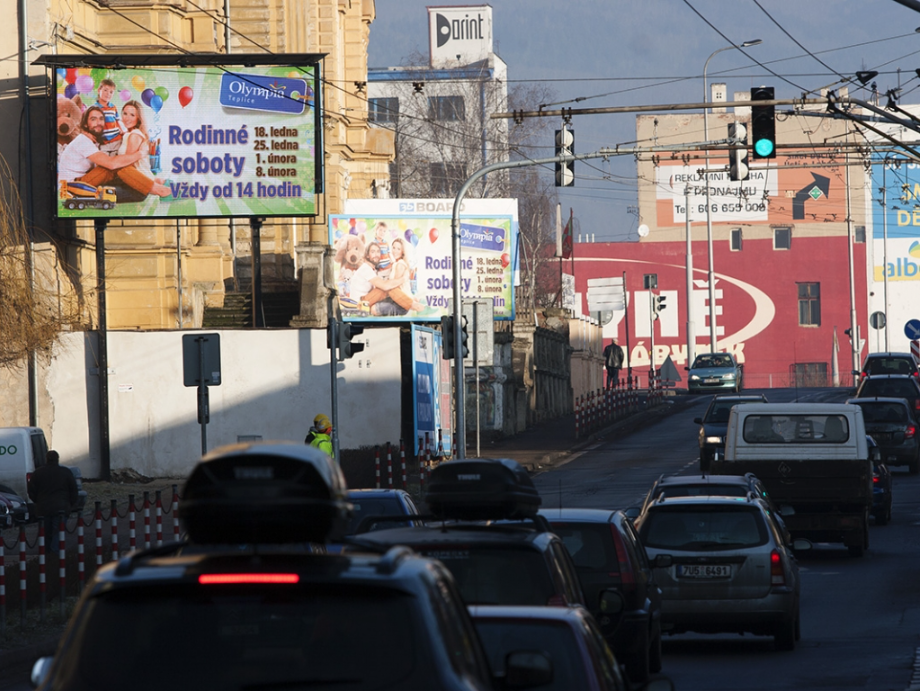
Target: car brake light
[
  {"x": 917, "y": 404},
  {"x": 627, "y": 575},
  {"x": 874, "y": 479},
  {"x": 777, "y": 575},
  {"x": 237, "y": 578},
  {"x": 910, "y": 432}
]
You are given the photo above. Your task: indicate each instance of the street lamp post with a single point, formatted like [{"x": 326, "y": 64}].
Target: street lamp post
[{"x": 712, "y": 284}]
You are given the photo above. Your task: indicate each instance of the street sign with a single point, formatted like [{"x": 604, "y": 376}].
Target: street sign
[
  {"x": 606, "y": 295},
  {"x": 912, "y": 329},
  {"x": 201, "y": 359},
  {"x": 877, "y": 320}
]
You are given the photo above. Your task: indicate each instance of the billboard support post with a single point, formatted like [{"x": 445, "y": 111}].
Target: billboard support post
[
  {"x": 105, "y": 463},
  {"x": 255, "y": 229}
]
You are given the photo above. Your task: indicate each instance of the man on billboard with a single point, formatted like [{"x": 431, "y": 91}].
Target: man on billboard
[
  {"x": 385, "y": 297},
  {"x": 83, "y": 161}
]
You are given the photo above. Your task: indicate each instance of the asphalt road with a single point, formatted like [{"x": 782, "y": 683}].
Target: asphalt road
[{"x": 860, "y": 617}]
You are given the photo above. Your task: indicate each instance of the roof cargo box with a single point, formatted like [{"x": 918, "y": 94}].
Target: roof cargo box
[
  {"x": 481, "y": 489},
  {"x": 264, "y": 493}
]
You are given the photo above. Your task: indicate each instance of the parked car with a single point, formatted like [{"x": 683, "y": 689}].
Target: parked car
[
  {"x": 715, "y": 421},
  {"x": 14, "y": 510},
  {"x": 567, "y": 637},
  {"x": 715, "y": 372},
  {"x": 276, "y": 618},
  {"x": 732, "y": 569},
  {"x": 892, "y": 386},
  {"x": 889, "y": 363},
  {"x": 608, "y": 554},
  {"x": 881, "y": 486},
  {"x": 890, "y": 423},
  {"x": 484, "y": 527}
]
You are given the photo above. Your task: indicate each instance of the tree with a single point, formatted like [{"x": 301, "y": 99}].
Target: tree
[{"x": 32, "y": 311}]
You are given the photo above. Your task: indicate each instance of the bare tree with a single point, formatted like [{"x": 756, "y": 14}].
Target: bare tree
[{"x": 33, "y": 312}]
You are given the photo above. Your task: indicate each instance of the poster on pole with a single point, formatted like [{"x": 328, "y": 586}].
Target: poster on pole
[
  {"x": 169, "y": 136},
  {"x": 431, "y": 391}
]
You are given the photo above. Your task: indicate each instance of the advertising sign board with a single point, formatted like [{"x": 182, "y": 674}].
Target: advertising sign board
[
  {"x": 401, "y": 268},
  {"x": 459, "y": 34},
  {"x": 431, "y": 394},
  {"x": 188, "y": 136}
]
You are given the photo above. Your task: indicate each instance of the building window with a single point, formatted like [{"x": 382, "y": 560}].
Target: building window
[
  {"x": 446, "y": 178},
  {"x": 383, "y": 111},
  {"x": 782, "y": 238},
  {"x": 446, "y": 108},
  {"x": 859, "y": 234},
  {"x": 809, "y": 304},
  {"x": 736, "y": 240}
]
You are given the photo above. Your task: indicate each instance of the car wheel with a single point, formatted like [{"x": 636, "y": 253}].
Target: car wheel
[
  {"x": 881, "y": 518},
  {"x": 654, "y": 657},
  {"x": 784, "y": 635},
  {"x": 637, "y": 666},
  {"x": 856, "y": 550},
  {"x": 798, "y": 626},
  {"x": 914, "y": 466}
]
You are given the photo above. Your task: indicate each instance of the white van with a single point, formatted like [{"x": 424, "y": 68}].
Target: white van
[{"x": 22, "y": 450}]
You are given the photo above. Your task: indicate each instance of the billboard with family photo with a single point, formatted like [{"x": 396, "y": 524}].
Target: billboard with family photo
[
  {"x": 148, "y": 137},
  {"x": 393, "y": 268}
]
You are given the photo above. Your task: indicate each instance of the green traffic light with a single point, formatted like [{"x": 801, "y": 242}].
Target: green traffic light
[{"x": 763, "y": 147}]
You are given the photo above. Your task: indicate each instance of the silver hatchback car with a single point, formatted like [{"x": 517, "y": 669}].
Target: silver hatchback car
[{"x": 732, "y": 569}]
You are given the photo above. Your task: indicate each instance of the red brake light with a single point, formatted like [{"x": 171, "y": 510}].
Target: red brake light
[
  {"x": 874, "y": 479},
  {"x": 237, "y": 578},
  {"x": 627, "y": 575},
  {"x": 777, "y": 575},
  {"x": 910, "y": 432}
]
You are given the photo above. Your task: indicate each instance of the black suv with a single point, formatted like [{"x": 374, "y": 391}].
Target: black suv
[
  {"x": 888, "y": 363},
  {"x": 903, "y": 386},
  {"x": 714, "y": 424},
  {"x": 271, "y": 615},
  {"x": 890, "y": 423},
  {"x": 484, "y": 526},
  {"x": 608, "y": 554}
]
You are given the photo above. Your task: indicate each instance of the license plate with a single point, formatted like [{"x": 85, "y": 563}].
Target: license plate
[
  {"x": 704, "y": 570},
  {"x": 710, "y": 381}
]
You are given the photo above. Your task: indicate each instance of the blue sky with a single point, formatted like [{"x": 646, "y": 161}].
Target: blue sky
[{"x": 617, "y": 53}]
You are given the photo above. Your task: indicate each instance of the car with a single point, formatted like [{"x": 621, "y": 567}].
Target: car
[
  {"x": 890, "y": 423},
  {"x": 881, "y": 486},
  {"x": 567, "y": 637},
  {"x": 714, "y": 423},
  {"x": 892, "y": 386},
  {"x": 732, "y": 569},
  {"x": 483, "y": 524},
  {"x": 272, "y": 618},
  {"x": 385, "y": 504},
  {"x": 14, "y": 510},
  {"x": 703, "y": 485},
  {"x": 889, "y": 363},
  {"x": 608, "y": 554},
  {"x": 715, "y": 372}
]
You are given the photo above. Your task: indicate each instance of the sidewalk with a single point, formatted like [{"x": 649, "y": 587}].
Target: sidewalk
[{"x": 543, "y": 446}]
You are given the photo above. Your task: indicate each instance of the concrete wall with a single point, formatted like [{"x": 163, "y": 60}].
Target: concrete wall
[{"x": 273, "y": 383}]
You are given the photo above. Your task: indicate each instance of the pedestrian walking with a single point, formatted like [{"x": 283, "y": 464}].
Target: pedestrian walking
[
  {"x": 320, "y": 434},
  {"x": 53, "y": 489},
  {"x": 613, "y": 361}
]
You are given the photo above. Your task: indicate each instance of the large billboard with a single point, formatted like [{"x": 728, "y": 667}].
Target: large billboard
[
  {"x": 401, "y": 267},
  {"x": 186, "y": 136}
]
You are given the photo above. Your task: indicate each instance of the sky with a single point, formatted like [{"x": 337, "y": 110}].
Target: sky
[{"x": 619, "y": 53}]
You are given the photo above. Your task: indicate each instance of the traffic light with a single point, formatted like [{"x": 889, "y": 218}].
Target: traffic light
[
  {"x": 346, "y": 348},
  {"x": 464, "y": 338},
  {"x": 657, "y": 304},
  {"x": 565, "y": 146},
  {"x": 447, "y": 338},
  {"x": 763, "y": 123},
  {"x": 738, "y": 168}
]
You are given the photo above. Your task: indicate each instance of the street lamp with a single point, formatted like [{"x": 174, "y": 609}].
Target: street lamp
[{"x": 712, "y": 284}]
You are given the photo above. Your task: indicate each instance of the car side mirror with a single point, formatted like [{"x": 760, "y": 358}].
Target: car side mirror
[
  {"x": 40, "y": 671},
  {"x": 632, "y": 513},
  {"x": 611, "y": 601},
  {"x": 786, "y": 510},
  {"x": 662, "y": 561},
  {"x": 801, "y": 544},
  {"x": 698, "y": 420},
  {"x": 687, "y": 368},
  {"x": 526, "y": 669}
]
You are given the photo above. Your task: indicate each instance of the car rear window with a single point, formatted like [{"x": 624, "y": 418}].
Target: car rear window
[
  {"x": 703, "y": 528},
  {"x": 378, "y": 506},
  {"x": 710, "y": 489},
  {"x": 221, "y": 637},
  {"x": 590, "y": 544},
  {"x": 885, "y": 365},
  {"x": 496, "y": 576},
  {"x": 796, "y": 429},
  {"x": 884, "y": 412},
  {"x": 555, "y": 639},
  {"x": 889, "y": 388}
]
